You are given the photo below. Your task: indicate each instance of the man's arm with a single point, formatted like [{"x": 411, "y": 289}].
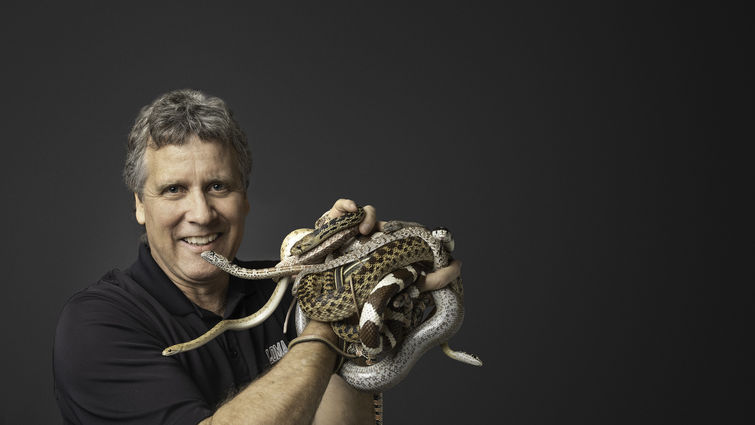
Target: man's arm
[
  {"x": 342, "y": 404},
  {"x": 301, "y": 388},
  {"x": 290, "y": 392}
]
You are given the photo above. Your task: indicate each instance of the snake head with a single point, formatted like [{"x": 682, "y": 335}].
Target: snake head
[
  {"x": 328, "y": 229},
  {"x": 444, "y": 235},
  {"x": 215, "y": 259},
  {"x": 172, "y": 350}
]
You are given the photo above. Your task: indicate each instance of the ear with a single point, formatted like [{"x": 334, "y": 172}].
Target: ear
[{"x": 139, "y": 210}]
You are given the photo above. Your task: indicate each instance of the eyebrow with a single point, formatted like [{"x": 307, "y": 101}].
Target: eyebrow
[{"x": 229, "y": 180}]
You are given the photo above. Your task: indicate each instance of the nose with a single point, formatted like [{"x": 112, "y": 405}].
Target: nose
[{"x": 199, "y": 209}]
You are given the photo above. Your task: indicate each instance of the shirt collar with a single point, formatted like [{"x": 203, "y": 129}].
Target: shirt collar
[
  {"x": 148, "y": 274},
  {"x": 153, "y": 279}
]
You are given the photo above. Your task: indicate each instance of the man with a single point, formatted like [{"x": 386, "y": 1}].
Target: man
[{"x": 188, "y": 166}]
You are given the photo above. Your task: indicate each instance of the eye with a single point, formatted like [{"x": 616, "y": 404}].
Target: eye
[
  {"x": 173, "y": 189},
  {"x": 217, "y": 186}
]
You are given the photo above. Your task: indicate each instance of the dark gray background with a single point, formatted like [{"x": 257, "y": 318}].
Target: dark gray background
[{"x": 574, "y": 150}]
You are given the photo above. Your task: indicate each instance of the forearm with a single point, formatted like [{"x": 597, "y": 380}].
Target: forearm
[
  {"x": 290, "y": 392},
  {"x": 342, "y": 404}
]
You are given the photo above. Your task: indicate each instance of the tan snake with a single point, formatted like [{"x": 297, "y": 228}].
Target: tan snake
[{"x": 289, "y": 266}]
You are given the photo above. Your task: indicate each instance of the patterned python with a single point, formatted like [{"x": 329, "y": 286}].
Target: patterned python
[{"x": 377, "y": 275}]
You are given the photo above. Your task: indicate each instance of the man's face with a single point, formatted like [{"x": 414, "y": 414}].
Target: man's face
[{"x": 193, "y": 201}]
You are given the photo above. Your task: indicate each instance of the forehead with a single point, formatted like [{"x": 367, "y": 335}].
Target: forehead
[{"x": 193, "y": 159}]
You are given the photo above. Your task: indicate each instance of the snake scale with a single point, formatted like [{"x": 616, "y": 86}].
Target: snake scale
[{"x": 386, "y": 326}]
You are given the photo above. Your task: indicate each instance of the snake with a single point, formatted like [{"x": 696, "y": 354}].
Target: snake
[
  {"x": 394, "y": 257},
  {"x": 335, "y": 233}
]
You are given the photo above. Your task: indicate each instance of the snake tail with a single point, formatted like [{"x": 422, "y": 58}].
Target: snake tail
[
  {"x": 235, "y": 324},
  {"x": 461, "y": 356}
]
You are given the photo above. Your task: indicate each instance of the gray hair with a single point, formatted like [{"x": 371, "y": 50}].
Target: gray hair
[{"x": 172, "y": 119}]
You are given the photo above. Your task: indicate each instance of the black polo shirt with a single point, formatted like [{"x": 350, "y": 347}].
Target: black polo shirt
[{"x": 107, "y": 360}]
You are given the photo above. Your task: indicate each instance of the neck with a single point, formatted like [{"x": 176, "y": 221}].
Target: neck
[
  {"x": 209, "y": 294},
  {"x": 209, "y": 297}
]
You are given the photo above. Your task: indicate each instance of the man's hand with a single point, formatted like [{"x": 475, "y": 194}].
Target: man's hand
[
  {"x": 435, "y": 280},
  {"x": 342, "y": 206},
  {"x": 441, "y": 277}
]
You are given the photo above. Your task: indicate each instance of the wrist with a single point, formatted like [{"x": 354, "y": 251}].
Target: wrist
[
  {"x": 321, "y": 329},
  {"x": 322, "y": 333}
]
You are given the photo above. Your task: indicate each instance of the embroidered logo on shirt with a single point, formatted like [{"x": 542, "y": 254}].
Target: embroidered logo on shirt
[{"x": 276, "y": 351}]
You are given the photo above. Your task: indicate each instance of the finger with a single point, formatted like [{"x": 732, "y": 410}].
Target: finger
[
  {"x": 341, "y": 207},
  {"x": 441, "y": 277},
  {"x": 370, "y": 218}
]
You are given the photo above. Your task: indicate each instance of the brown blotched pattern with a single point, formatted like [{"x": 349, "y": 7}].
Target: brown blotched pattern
[{"x": 329, "y": 295}]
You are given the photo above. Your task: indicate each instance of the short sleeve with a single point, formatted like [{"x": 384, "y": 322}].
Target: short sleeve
[{"x": 108, "y": 368}]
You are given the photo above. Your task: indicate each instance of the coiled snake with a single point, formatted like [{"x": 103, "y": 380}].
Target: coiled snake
[{"x": 366, "y": 289}]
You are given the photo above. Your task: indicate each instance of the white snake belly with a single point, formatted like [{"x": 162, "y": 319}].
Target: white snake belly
[
  {"x": 394, "y": 367},
  {"x": 436, "y": 330}
]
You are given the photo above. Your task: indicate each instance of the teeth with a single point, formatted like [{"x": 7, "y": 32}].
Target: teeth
[{"x": 201, "y": 240}]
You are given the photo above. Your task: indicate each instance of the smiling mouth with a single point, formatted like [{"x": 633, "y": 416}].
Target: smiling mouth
[{"x": 201, "y": 240}]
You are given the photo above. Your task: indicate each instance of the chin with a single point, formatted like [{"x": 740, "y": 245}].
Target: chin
[
  {"x": 203, "y": 272},
  {"x": 211, "y": 272}
]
